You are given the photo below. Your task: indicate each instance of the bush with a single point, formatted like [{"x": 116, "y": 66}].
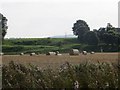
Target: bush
[
  {"x": 88, "y": 75},
  {"x": 12, "y": 48}
]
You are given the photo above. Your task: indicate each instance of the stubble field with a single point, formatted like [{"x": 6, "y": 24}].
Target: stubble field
[{"x": 55, "y": 61}]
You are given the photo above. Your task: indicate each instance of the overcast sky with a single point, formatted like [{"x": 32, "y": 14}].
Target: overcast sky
[{"x": 43, "y": 18}]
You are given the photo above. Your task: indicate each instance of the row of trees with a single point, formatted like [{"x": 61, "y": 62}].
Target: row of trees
[{"x": 108, "y": 35}]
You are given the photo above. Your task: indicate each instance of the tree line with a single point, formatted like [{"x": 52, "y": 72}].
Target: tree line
[{"x": 108, "y": 35}]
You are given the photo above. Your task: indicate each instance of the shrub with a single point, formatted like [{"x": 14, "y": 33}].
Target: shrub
[{"x": 88, "y": 75}]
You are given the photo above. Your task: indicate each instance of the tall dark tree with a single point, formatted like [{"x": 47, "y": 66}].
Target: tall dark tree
[
  {"x": 4, "y": 27},
  {"x": 80, "y": 28},
  {"x": 91, "y": 38}
]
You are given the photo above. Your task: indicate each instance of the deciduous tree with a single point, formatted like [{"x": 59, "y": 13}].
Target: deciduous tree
[{"x": 80, "y": 28}]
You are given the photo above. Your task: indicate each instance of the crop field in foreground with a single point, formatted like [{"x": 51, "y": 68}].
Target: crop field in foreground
[{"x": 55, "y": 61}]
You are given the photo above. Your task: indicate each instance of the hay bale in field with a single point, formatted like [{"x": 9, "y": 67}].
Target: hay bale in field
[
  {"x": 84, "y": 52},
  {"x": 1, "y": 54},
  {"x": 74, "y": 52},
  {"x": 57, "y": 52},
  {"x": 32, "y": 54},
  {"x": 51, "y": 53},
  {"x": 21, "y": 54},
  {"x": 92, "y": 52}
]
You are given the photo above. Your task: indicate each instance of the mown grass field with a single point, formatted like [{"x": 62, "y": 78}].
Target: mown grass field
[{"x": 55, "y": 61}]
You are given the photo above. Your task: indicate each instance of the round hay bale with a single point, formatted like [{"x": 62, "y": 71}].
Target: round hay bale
[
  {"x": 1, "y": 54},
  {"x": 32, "y": 54},
  {"x": 74, "y": 52},
  {"x": 84, "y": 52},
  {"x": 92, "y": 52},
  {"x": 21, "y": 53},
  {"x": 51, "y": 53},
  {"x": 57, "y": 52}
]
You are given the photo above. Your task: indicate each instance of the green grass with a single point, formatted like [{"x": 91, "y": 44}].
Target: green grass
[
  {"x": 38, "y": 45},
  {"x": 43, "y": 45},
  {"x": 16, "y": 49},
  {"x": 38, "y": 41}
]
